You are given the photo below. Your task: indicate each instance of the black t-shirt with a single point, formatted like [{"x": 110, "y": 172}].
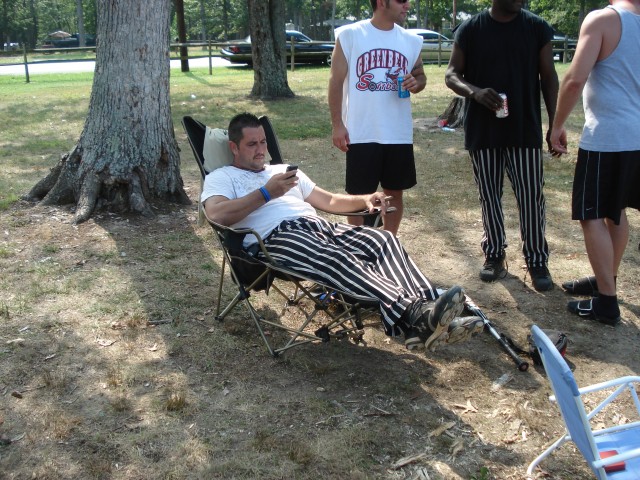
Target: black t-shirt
[{"x": 505, "y": 57}]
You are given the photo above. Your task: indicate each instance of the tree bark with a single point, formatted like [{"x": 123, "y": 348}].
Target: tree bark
[
  {"x": 454, "y": 113},
  {"x": 268, "y": 44},
  {"x": 80, "y": 15},
  {"x": 182, "y": 36},
  {"x": 127, "y": 154}
]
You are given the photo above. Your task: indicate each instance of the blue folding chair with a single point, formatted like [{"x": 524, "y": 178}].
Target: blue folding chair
[{"x": 612, "y": 452}]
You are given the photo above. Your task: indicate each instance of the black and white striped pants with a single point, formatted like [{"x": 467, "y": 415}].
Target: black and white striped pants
[
  {"x": 360, "y": 260},
  {"x": 524, "y": 168}
]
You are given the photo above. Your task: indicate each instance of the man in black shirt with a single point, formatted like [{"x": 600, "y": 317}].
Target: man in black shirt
[{"x": 507, "y": 50}]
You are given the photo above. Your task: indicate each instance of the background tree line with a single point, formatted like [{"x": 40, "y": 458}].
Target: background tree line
[{"x": 29, "y": 21}]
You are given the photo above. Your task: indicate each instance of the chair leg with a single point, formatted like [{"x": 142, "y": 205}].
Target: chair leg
[
  {"x": 221, "y": 283},
  {"x": 555, "y": 445}
]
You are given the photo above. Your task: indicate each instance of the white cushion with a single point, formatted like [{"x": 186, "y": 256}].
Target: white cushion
[{"x": 216, "y": 151}]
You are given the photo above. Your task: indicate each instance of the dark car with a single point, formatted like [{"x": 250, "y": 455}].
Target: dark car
[
  {"x": 559, "y": 47},
  {"x": 305, "y": 50},
  {"x": 432, "y": 44},
  {"x": 69, "y": 42}
]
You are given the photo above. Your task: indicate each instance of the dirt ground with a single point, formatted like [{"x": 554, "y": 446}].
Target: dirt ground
[{"x": 112, "y": 365}]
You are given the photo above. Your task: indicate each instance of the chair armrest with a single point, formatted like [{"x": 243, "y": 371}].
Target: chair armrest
[
  {"x": 622, "y": 384},
  {"x": 602, "y": 385},
  {"x": 241, "y": 232},
  {"x": 608, "y": 384},
  {"x": 361, "y": 213},
  {"x": 621, "y": 457},
  {"x": 364, "y": 213}
]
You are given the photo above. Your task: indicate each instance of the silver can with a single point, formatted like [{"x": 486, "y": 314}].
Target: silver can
[{"x": 503, "y": 111}]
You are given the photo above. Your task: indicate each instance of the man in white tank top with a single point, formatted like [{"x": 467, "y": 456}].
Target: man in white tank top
[
  {"x": 371, "y": 123},
  {"x": 607, "y": 67}
]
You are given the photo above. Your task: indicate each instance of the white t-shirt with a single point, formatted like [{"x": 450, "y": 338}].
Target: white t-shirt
[
  {"x": 232, "y": 183},
  {"x": 371, "y": 108}
]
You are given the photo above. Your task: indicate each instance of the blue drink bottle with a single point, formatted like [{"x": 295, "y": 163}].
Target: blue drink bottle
[{"x": 402, "y": 92}]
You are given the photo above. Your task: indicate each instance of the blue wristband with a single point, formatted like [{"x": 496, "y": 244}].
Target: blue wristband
[{"x": 265, "y": 194}]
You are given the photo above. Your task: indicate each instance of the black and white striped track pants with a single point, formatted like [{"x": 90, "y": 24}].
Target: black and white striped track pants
[
  {"x": 524, "y": 168},
  {"x": 359, "y": 260}
]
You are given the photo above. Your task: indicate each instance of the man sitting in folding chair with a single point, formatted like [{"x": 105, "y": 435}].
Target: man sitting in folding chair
[{"x": 279, "y": 204}]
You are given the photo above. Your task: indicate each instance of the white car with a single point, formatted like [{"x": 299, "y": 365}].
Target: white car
[{"x": 433, "y": 43}]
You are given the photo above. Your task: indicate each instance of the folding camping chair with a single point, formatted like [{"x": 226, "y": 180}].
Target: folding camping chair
[
  {"x": 327, "y": 313},
  {"x": 613, "y": 452}
]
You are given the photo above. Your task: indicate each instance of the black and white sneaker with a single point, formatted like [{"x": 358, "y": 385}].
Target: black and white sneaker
[
  {"x": 429, "y": 321},
  {"x": 445, "y": 309},
  {"x": 413, "y": 340},
  {"x": 588, "y": 309},
  {"x": 463, "y": 328}
]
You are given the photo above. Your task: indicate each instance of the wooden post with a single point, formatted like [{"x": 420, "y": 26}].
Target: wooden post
[{"x": 26, "y": 65}]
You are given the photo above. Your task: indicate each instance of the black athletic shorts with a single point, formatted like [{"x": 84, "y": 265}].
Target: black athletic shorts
[
  {"x": 372, "y": 164},
  {"x": 604, "y": 184}
]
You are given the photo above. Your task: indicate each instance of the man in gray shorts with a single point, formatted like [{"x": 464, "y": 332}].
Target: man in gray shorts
[
  {"x": 607, "y": 66},
  {"x": 371, "y": 122}
]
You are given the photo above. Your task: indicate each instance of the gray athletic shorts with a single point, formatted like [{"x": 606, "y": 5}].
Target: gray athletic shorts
[
  {"x": 372, "y": 164},
  {"x": 604, "y": 184}
]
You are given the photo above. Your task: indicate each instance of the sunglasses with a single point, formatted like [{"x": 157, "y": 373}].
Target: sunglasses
[{"x": 402, "y": 1}]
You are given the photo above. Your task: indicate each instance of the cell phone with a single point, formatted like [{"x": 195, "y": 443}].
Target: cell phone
[{"x": 290, "y": 168}]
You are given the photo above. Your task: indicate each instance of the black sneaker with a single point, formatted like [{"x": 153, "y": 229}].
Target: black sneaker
[
  {"x": 492, "y": 269},
  {"x": 541, "y": 278},
  {"x": 429, "y": 321},
  {"x": 582, "y": 286},
  {"x": 587, "y": 309},
  {"x": 413, "y": 340}
]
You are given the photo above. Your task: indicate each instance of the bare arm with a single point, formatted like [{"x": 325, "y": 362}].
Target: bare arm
[
  {"x": 416, "y": 81},
  {"x": 227, "y": 211},
  {"x": 454, "y": 79},
  {"x": 549, "y": 87},
  {"x": 339, "y": 70},
  {"x": 588, "y": 52},
  {"x": 341, "y": 203}
]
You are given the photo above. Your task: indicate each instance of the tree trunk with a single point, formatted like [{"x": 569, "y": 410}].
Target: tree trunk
[
  {"x": 225, "y": 19},
  {"x": 453, "y": 116},
  {"x": 203, "y": 17},
  {"x": 127, "y": 154},
  {"x": 80, "y": 15},
  {"x": 182, "y": 36},
  {"x": 268, "y": 49}
]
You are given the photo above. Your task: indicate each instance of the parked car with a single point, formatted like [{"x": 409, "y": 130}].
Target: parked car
[
  {"x": 11, "y": 46},
  {"x": 558, "y": 46},
  {"x": 305, "y": 50},
  {"x": 69, "y": 42},
  {"x": 432, "y": 42}
]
